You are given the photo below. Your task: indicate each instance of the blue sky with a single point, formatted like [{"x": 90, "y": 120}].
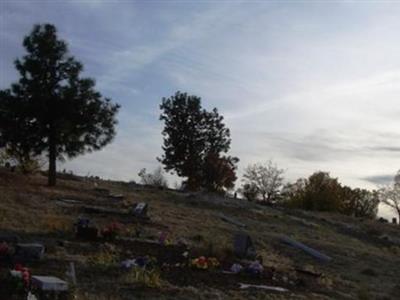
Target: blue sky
[{"x": 312, "y": 85}]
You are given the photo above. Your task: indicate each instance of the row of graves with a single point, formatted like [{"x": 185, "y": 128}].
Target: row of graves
[
  {"x": 17, "y": 256},
  {"x": 151, "y": 261}
]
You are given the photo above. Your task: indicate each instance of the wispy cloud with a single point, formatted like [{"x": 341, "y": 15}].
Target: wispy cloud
[{"x": 314, "y": 86}]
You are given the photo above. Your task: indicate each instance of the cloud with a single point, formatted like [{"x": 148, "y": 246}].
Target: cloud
[
  {"x": 379, "y": 180},
  {"x": 313, "y": 86}
]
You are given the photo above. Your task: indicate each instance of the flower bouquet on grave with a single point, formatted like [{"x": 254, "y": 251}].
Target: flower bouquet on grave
[
  {"x": 205, "y": 263},
  {"x": 19, "y": 280},
  {"x": 111, "y": 231}
]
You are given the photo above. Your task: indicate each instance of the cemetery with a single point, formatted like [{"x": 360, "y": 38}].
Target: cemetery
[{"x": 74, "y": 240}]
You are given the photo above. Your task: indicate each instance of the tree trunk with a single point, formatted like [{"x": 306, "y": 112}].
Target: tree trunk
[{"x": 52, "y": 161}]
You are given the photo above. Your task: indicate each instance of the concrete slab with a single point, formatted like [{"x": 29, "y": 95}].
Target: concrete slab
[{"x": 49, "y": 283}]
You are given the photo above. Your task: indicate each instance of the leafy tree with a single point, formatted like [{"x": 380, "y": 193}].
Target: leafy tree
[
  {"x": 318, "y": 192},
  {"x": 390, "y": 195},
  {"x": 184, "y": 141},
  {"x": 194, "y": 140},
  {"x": 359, "y": 202},
  {"x": 323, "y": 193},
  {"x": 219, "y": 172},
  {"x": 266, "y": 178},
  {"x": 51, "y": 109}
]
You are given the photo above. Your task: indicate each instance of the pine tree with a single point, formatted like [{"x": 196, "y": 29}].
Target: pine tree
[{"x": 51, "y": 109}]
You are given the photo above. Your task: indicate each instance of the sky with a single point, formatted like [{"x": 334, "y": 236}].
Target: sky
[{"x": 312, "y": 85}]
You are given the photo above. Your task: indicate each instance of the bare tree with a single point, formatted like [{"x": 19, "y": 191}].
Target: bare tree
[
  {"x": 267, "y": 178},
  {"x": 156, "y": 178},
  {"x": 390, "y": 195}
]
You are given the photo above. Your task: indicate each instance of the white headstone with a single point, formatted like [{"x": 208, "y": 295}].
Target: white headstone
[{"x": 49, "y": 283}]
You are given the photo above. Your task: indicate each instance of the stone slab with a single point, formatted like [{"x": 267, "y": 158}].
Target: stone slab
[{"x": 49, "y": 283}]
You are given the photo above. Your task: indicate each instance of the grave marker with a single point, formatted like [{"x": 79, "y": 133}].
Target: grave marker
[
  {"x": 84, "y": 231},
  {"x": 243, "y": 246},
  {"x": 140, "y": 210},
  {"x": 49, "y": 283},
  {"x": 117, "y": 197},
  {"x": 32, "y": 251}
]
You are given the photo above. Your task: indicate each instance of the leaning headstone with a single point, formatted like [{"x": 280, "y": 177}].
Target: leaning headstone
[
  {"x": 243, "y": 246},
  {"x": 32, "y": 251},
  {"x": 140, "y": 210},
  {"x": 49, "y": 283}
]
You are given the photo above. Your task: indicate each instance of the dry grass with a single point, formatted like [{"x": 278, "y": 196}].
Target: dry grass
[{"x": 27, "y": 208}]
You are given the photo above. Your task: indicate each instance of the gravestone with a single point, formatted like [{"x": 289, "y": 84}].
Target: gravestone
[
  {"x": 49, "y": 283},
  {"x": 243, "y": 246},
  {"x": 140, "y": 210},
  {"x": 87, "y": 233},
  {"x": 394, "y": 221},
  {"x": 9, "y": 238},
  {"x": 84, "y": 231},
  {"x": 102, "y": 191},
  {"x": 117, "y": 197},
  {"x": 32, "y": 251}
]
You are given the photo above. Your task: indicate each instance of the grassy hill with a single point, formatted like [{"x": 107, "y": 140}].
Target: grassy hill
[{"x": 365, "y": 254}]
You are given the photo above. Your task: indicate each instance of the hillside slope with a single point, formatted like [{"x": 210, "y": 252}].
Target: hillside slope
[{"x": 365, "y": 254}]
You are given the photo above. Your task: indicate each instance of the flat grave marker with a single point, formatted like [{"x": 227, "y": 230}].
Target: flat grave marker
[{"x": 49, "y": 283}]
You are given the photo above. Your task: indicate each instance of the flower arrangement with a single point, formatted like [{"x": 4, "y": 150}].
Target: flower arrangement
[
  {"x": 203, "y": 262},
  {"x": 20, "y": 277},
  {"x": 111, "y": 231}
]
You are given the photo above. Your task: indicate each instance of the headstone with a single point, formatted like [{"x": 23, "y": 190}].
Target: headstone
[
  {"x": 71, "y": 272},
  {"x": 9, "y": 238},
  {"x": 84, "y": 231},
  {"x": 383, "y": 220},
  {"x": 102, "y": 191},
  {"x": 140, "y": 210},
  {"x": 87, "y": 233},
  {"x": 243, "y": 246},
  {"x": 116, "y": 197},
  {"x": 394, "y": 221},
  {"x": 49, "y": 283},
  {"x": 82, "y": 222},
  {"x": 32, "y": 251}
]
